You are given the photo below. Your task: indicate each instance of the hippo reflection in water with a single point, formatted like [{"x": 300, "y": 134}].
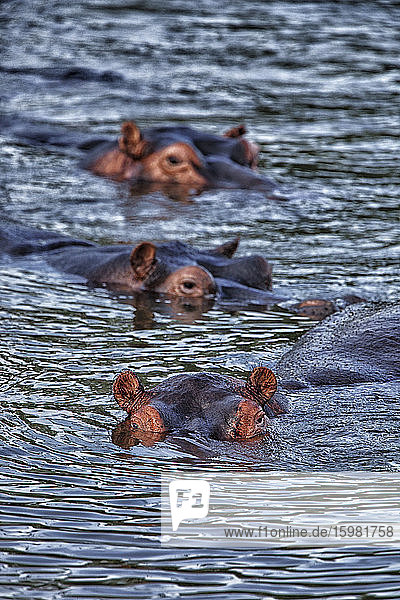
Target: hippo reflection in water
[
  {"x": 165, "y": 155},
  {"x": 360, "y": 344}
]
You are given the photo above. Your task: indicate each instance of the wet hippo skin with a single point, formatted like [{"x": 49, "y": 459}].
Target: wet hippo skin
[
  {"x": 216, "y": 406},
  {"x": 173, "y": 268},
  {"x": 168, "y": 155},
  {"x": 360, "y": 344}
]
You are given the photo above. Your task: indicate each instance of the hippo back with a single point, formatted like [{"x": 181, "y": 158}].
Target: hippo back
[
  {"x": 19, "y": 240},
  {"x": 360, "y": 344}
]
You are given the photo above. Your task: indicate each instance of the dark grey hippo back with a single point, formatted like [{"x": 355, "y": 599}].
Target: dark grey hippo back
[{"x": 360, "y": 344}]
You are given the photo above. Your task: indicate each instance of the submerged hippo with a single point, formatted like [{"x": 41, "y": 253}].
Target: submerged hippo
[
  {"x": 173, "y": 268},
  {"x": 216, "y": 406},
  {"x": 167, "y": 155},
  {"x": 360, "y": 344}
]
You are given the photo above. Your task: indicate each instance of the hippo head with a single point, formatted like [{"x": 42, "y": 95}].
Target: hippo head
[
  {"x": 185, "y": 156},
  {"x": 173, "y": 277},
  {"x": 181, "y": 270},
  {"x": 216, "y": 406}
]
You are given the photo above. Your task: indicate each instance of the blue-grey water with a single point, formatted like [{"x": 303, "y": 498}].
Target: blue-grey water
[{"x": 318, "y": 86}]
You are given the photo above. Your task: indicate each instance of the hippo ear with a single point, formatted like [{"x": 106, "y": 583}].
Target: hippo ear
[
  {"x": 143, "y": 259},
  {"x": 262, "y": 382},
  {"x": 129, "y": 392},
  {"x": 228, "y": 249},
  {"x": 132, "y": 143},
  {"x": 235, "y": 132}
]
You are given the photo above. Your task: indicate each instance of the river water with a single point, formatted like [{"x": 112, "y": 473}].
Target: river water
[{"x": 318, "y": 86}]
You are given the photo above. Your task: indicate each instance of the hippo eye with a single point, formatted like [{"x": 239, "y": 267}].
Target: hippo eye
[
  {"x": 189, "y": 285},
  {"x": 173, "y": 160},
  {"x": 260, "y": 420}
]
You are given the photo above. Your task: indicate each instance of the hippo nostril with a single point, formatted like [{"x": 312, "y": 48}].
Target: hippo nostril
[{"x": 189, "y": 285}]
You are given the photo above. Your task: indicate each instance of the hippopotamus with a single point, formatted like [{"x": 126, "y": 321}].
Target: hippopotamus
[
  {"x": 359, "y": 344},
  {"x": 167, "y": 155},
  {"x": 215, "y": 406},
  {"x": 172, "y": 268},
  {"x": 356, "y": 346}
]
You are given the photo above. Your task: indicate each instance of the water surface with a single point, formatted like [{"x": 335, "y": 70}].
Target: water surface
[{"x": 318, "y": 86}]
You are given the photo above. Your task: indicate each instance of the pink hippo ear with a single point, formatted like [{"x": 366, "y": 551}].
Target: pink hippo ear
[
  {"x": 261, "y": 385},
  {"x": 132, "y": 143},
  {"x": 228, "y": 249},
  {"x": 143, "y": 259},
  {"x": 235, "y": 132},
  {"x": 129, "y": 392}
]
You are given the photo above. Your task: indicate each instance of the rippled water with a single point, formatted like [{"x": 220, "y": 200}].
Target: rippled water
[{"x": 318, "y": 86}]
